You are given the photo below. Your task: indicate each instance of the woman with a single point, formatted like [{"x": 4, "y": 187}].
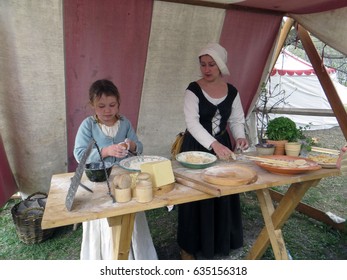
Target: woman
[
  {"x": 212, "y": 226},
  {"x": 110, "y": 129}
]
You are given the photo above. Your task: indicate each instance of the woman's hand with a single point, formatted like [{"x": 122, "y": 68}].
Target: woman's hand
[
  {"x": 242, "y": 144},
  {"x": 117, "y": 150},
  {"x": 222, "y": 151}
]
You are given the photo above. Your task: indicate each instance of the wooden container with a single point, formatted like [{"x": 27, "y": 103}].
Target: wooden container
[
  {"x": 141, "y": 177},
  {"x": 144, "y": 176},
  {"x": 144, "y": 191},
  {"x": 122, "y": 195}
]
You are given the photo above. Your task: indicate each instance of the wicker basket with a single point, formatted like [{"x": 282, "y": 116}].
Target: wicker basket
[{"x": 27, "y": 217}]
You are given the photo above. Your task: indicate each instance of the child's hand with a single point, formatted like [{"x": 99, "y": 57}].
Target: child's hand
[
  {"x": 131, "y": 145},
  {"x": 117, "y": 150}
]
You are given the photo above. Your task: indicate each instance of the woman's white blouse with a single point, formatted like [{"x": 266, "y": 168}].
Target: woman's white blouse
[{"x": 191, "y": 111}]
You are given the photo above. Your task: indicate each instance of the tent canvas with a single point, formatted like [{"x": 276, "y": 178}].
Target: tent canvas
[{"x": 295, "y": 80}]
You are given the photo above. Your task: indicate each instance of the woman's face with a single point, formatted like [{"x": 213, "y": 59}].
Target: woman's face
[
  {"x": 106, "y": 108},
  {"x": 209, "y": 68}
]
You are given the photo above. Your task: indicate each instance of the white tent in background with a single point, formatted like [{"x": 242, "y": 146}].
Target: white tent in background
[{"x": 297, "y": 81}]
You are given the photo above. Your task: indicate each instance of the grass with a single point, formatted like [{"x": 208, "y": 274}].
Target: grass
[{"x": 63, "y": 245}]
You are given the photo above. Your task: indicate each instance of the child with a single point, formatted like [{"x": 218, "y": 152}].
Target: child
[{"x": 108, "y": 128}]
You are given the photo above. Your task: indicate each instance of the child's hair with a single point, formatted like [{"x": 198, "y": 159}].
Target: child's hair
[{"x": 100, "y": 87}]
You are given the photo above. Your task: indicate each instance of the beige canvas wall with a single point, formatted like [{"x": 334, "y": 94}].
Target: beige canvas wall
[
  {"x": 178, "y": 32},
  {"x": 32, "y": 93}
]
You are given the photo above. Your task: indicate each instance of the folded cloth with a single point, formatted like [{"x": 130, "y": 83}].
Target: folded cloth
[{"x": 335, "y": 218}]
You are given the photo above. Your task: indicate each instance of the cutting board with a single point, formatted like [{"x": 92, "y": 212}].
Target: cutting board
[
  {"x": 206, "y": 183},
  {"x": 229, "y": 175}
]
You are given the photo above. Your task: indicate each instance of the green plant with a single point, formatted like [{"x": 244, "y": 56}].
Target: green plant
[
  {"x": 282, "y": 128},
  {"x": 305, "y": 141}
]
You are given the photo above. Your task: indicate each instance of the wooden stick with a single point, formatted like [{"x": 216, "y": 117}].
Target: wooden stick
[
  {"x": 268, "y": 160},
  {"x": 325, "y": 150}
]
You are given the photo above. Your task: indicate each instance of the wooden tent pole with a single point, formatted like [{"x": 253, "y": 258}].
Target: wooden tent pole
[
  {"x": 283, "y": 36},
  {"x": 324, "y": 79}
]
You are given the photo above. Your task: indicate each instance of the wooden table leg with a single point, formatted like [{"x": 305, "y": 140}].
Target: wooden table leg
[
  {"x": 280, "y": 215},
  {"x": 122, "y": 229},
  {"x": 275, "y": 235}
]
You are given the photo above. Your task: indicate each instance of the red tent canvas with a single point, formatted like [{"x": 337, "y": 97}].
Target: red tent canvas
[{"x": 8, "y": 185}]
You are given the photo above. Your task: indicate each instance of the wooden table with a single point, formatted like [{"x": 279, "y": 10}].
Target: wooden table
[{"x": 189, "y": 187}]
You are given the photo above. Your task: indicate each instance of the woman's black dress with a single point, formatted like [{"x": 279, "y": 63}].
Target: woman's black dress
[{"x": 211, "y": 226}]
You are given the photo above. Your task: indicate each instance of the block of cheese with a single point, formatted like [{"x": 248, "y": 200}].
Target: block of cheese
[{"x": 161, "y": 172}]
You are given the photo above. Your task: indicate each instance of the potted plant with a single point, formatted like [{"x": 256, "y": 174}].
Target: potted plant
[{"x": 281, "y": 130}]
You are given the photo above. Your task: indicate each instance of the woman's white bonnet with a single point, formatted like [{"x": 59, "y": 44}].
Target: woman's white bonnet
[{"x": 219, "y": 55}]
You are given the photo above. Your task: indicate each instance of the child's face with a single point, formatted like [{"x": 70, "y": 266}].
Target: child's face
[{"x": 106, "y": 108}]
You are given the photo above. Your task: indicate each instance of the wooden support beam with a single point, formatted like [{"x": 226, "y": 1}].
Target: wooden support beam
[
  {"x": 311, "y": 212},
  {"x": 283, "y": 36},
  {"x": 324, "y": 79},
  {"x": 226, "y": 6},
  {"x": 297, "y": 111},
  {"x": 199, "y": 3}
]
